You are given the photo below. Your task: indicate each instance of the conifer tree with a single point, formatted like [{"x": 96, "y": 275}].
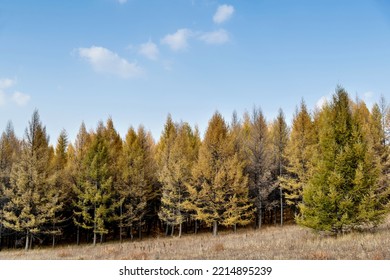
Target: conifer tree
[
  {"x": 343, "y": 192},
  {"x": 31, "y": 199},
  {"x": 138, "y": 179},
  {"x": 259, "y": 165},
  {"x": 61, "y": 184},
  {"x": 279, "y": 136},
  {"x": 94, "y": 204},
  {"x": 78, "y": 170},
  {"x": 175, "y": 174},
  {"x": 219, "y": 184},
  {"x": 9, "y": 150},
  {"x": 299, "y": 152}
]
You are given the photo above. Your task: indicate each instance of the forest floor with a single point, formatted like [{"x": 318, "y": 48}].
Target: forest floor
[{"x": 270, "y": 243}]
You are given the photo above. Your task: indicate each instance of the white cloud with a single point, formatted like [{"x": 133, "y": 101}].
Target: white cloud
[
  {"x": 2, "y": 98},
  {"x": 20, "y": 98},
  {"x": 322, "y": 102},
  {"x": 215, "y": 37},
  {"x": 6, "y": 83},
  {"x": 368, "y": 95},
  {"x": 103, "y": 60},
  {"x": 122, "y": 1},
  {"x": 177, "y": 41},
  {"x": 223, "y": 13},
  {"x": 149, "y": 50},
  {"x": 17, "y": 97}
]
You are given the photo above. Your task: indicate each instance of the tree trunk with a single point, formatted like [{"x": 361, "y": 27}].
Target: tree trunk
[
  {"x": 167, "y": 230},
  {"x": 131, "y": 233},
  {"x": 235, "y": 228},
  {"x": 94, "y": 226},
  {"x": 1, "y": 231},
  {"x": 31, "y": 240},
  {"x": 54, "y": 236},
  {"x": 27, "y": 241},
  {"x": 281, "y": 205},
  {"x": 180, "y": 229},
  {"x": 120, "y": 224},
  {"x": 196, "y": 226},
  {"x": 173, "y": 230},
  {"x": 94, "y": 239},
  {"x": 78, "y": 236},
  {"x": 215, "y": 228},
  {"x": 260, "y": 213},
  {"x": 101, "y": 238},
  {"x": 140, "y": 230}
]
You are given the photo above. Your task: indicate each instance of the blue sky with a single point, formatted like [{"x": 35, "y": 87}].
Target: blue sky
[{"x": 137, "y": 61}]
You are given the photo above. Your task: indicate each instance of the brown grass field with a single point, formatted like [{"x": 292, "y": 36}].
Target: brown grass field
[{"x": 289, "y": 242}]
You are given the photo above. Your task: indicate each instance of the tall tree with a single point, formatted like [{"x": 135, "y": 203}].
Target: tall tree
[
  {"x": 61, "y": 184},
  {"x": 260, "y": 163},
  {"x": 94, "y": 204},
  {"x": 32, "y": 200},
  {"x": 219, "y": 184},
  {"x": 9, "y": 150},
  {"x": 343, "y": 192},
  {"x": 279, "y": 136},
  {"x": 299, "y": 152},
  {"x": 78, "y": 170},
  {"x": 175, "y": 174},
  {"x": 138, "y": 179}
]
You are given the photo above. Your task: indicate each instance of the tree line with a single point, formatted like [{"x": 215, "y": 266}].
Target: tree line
[{"x": 329, "y": 171}]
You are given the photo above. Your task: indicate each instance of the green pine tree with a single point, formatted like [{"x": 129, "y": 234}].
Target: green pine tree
[{"x": 343, "y": 191}]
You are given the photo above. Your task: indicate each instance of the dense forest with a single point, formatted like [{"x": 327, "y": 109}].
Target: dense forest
[{"x": 329, "y": 170}]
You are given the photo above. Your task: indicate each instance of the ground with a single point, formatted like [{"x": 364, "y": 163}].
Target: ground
[{"x": 272, "y": 243}]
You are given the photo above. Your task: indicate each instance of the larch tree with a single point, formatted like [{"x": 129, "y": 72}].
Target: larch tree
[
  {"x": 94, "y": 204},
  {"x": 299, "y": 152},
  {"x": 343, "y": 192},
  {"x": 137, "y": 180},
  {"x": 61, "y": 184},
  {"x": 279, "y": 139},
  {"x": 219, "y": 185},
  {"x": 9, "y": 150},
  {"x": 175, "y": 174},
  {"x": 78, "y": 169},
  {"x": 259, "y": 164},
  {"x": 32, "y": 200},
  {"x": 114, "y": 145}
]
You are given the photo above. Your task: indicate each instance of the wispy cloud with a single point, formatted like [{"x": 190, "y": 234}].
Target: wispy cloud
[
  {"x": 177, "y": 41},
  {"x": 20, "y": 98},
  {"x": 149, "y": 50},
  {"x": 322, "y": 102},
  {"x": 121, "y": 1},
  {"x": 215, "y": 37},
  {"x": 223, "y": 13},
  {"x": 105, "y": 61},
  {"x": 17, "y": 97},
  {"x": 6, "y": 83}
]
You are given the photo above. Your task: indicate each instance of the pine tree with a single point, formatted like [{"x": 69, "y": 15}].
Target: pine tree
[
  {"x": 219, "y": 184},
  {"x": 138, "y": 179},
  {"x": 9, "y": 150},
  {"x": 259, "y": 165},
  {"x": 343, "y": 192},
  {"x": 31, "y": 202},
  {"x": 78, "y": 170},
  {"x": 299, "y": 152},
  {"x": 175, "y": 174},
  {"x": 61, "y": 184},
  {"x": 279, "y": 136},
  {"x": 94, "y": 204}
]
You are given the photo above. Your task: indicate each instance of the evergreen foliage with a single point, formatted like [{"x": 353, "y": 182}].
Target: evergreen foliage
[{"x": 343, "y": 192}]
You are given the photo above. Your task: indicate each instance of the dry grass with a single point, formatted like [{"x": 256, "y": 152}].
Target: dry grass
[{"x": 289, "y": 242}]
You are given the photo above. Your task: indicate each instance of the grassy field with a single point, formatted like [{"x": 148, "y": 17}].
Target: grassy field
[{"x": 273, "y": 243}]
